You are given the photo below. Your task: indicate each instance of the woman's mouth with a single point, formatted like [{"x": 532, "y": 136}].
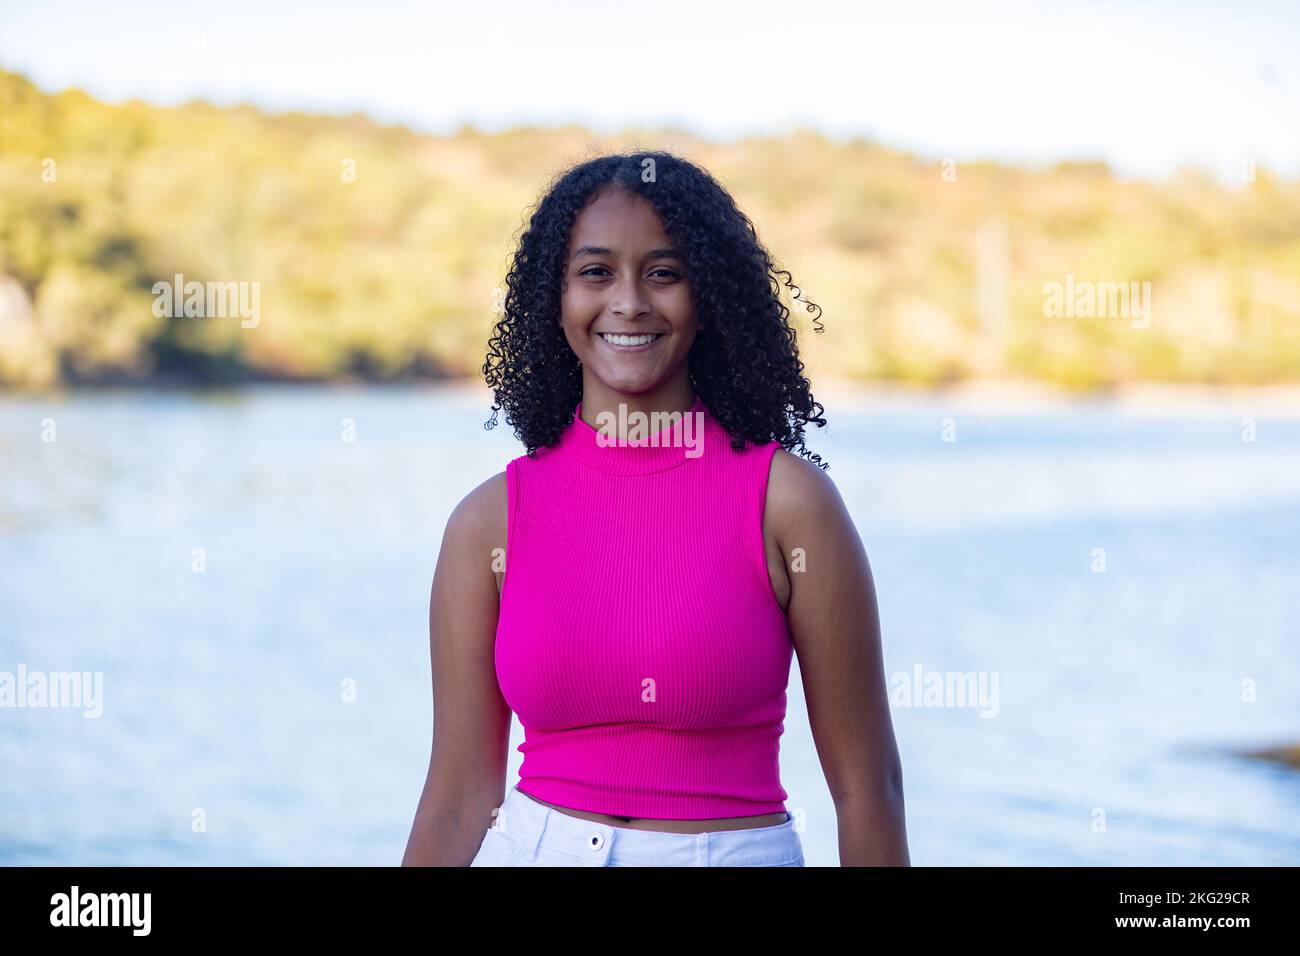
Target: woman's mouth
[{"x": 630, "y": 343}]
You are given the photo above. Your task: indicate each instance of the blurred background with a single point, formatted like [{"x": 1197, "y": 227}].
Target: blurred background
[{"x": 1086, "y": 499}]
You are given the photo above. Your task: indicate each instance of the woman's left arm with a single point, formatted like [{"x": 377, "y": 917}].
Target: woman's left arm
[{"x": 835, "y": 626}]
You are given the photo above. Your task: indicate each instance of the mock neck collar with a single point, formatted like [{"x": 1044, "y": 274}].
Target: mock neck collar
[{"x": 665, "y": 448}]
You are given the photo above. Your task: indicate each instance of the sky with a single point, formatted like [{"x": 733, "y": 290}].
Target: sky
[{"x": 1147, "y": 87}]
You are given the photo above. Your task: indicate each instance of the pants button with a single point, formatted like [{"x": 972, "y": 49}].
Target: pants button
[{"x": 596, "y": 840}]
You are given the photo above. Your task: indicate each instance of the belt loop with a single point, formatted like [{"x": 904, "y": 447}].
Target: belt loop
[
  {"x": 534, "y": 835},
  {"x": 527, "y": 820}
]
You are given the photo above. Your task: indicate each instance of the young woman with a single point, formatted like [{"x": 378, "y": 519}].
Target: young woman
[{"x": 635, "y": 585}]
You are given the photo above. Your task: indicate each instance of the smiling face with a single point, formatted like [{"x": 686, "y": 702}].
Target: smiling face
[{"x": 626, "y": 307}]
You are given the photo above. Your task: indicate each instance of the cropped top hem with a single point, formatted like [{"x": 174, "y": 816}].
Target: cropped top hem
[{"x": 583, "y": 797}]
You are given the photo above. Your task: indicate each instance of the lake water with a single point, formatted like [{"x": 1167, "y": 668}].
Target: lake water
[{"x": 1127, "y": 585}]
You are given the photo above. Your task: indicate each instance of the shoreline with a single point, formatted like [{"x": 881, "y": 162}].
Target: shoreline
[
  {"x": 1028, "y": 396},
  {"x": 1020, "y": 396}
]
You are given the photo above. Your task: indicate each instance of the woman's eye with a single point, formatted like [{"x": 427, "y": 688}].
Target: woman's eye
[{"x": 596, "y": 272}]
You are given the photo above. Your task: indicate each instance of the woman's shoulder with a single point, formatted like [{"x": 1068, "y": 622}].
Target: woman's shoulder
[
  {"x": 800, "y": 495},
  {"x": 479, "y": 518}
]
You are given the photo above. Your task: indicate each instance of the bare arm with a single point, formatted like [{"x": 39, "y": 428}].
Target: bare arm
[
  {"x": 835, "y": 625},
  {"x": 471, "y": 721}
]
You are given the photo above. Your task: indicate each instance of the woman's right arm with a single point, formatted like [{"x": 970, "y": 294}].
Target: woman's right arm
[{"x": 471, "y": 720}]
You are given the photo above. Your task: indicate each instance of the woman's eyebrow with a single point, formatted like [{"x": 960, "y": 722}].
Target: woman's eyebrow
[{"x": 604, "y": 251}]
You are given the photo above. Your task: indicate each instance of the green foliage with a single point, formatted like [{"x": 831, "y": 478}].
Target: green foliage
[{"x": 393, "y": 272}]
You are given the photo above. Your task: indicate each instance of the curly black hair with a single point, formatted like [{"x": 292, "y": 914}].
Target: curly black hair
[{"x": 744, "y": 362}]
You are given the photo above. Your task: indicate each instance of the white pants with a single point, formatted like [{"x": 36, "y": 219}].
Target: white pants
[{"x": 528, "y": 833}]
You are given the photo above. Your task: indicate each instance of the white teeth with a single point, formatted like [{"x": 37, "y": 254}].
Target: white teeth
[{"x": 629, "y": 339}]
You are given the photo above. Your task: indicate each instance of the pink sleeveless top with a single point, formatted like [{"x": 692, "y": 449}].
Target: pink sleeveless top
[{"x": 639, "y": 639}]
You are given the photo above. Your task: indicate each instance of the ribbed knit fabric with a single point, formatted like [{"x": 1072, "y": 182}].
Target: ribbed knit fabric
[{"x": 639, "y": 639}]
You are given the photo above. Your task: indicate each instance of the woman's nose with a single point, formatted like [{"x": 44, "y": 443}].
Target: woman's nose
[{"x": 628, "y": 299}]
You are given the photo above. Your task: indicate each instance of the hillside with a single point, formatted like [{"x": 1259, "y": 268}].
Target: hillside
[{"x": 379, "y": 252}]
